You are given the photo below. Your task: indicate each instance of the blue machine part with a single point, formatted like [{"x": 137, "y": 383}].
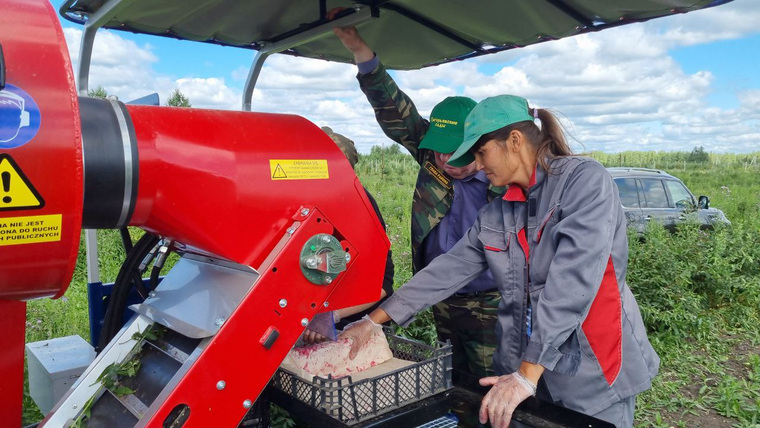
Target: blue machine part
[{"x": 98, "y": 296}]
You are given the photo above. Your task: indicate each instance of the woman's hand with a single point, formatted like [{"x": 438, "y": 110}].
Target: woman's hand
[
  {"x": 506, "y": 393},
  {"x": 359, "y": 333}
]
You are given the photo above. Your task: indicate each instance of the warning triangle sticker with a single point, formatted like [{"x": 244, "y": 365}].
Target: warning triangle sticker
[
  {"x": 279, "y": 172},
  {"x": 16, "y": 191}
]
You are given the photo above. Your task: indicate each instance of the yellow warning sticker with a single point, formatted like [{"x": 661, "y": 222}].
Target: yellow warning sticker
[
  {"x": 30, "y": 229},
  {"x": 298, "y": 169},
  {"x": 16, "y": 191}
]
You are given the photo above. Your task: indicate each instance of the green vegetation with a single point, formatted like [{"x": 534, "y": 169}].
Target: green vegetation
[
  {"x": 99, "y": 92},
  {"x": 699, "y": 291},
  {"x": 178, "y": 99}
]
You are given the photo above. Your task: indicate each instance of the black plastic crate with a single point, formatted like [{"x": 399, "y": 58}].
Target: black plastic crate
[{"x": 352, "y": 402}]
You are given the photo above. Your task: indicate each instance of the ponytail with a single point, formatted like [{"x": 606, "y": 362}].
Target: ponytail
[{"x": 551, "y": 142}]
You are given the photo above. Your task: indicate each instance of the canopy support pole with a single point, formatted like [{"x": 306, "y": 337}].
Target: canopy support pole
[{"x": 362, "y": 14}]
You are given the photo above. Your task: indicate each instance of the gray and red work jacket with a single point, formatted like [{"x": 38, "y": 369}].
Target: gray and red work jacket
[{"x": 562, "y": 250}]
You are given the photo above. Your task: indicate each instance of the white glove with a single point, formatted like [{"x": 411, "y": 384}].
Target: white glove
[
  {"x": 359, "y": 333},
  {"x": 500, "y": 402}
]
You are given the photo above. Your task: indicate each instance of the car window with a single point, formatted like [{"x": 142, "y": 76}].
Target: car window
[
  {"x": 629, "y": 196},
  {"x": 654, "y": 193},
  {"x": 680, "y": 196}
]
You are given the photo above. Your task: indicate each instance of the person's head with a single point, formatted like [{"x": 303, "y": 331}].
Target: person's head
[
  {"x": 446, "y": 133},
  {"x": 502, "y": 138},
  {"x": 344, "y": 144}
]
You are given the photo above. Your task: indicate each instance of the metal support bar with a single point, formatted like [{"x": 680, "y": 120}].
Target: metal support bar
[
  {"x": 433, "y": 26},
  {"x": 97, "y": 20},
  {"x": 572, "y": 13},
  {"x": 91, "y": 247},
  {"x": 85, "y": 57},
  {"x": 363, "y": 14}
]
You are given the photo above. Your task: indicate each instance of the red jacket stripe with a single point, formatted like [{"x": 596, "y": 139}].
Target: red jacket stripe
[
  {"x": 604, "y": 327},
  {"x": 523, "y": 240}
]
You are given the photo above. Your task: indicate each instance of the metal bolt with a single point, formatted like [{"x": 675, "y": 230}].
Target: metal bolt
[
  {"x": 312, "y": 262},
  {"x": 357, "y": 7},
  {"x": 290, "y": 231},
  {"x": 152, "y": 294},
  {"x": 326, "y": 239},
  {"x": 247, "y": 404},
  {"x": 328, "y": 279},
  {"x": 283, "y": 303},
  {"x": 221, "y": 385},
  {"x": 326, "y": 304},
  {"x": 305, "y": 322},
  {"x": 220, "y": 321},
  {"x": 305, "y": 212},
  {"x": 348, "y": 257},
  {"x": 74, "y": 406}
]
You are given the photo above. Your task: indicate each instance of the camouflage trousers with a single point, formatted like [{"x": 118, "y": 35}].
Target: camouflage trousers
[{"x": 469, "y": 324}]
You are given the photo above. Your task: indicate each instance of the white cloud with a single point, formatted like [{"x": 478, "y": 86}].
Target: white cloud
[
  {"x": 730, "y": 21},
  {"x": 209, "y": 93},
  {"x": 119, "y": 65}
]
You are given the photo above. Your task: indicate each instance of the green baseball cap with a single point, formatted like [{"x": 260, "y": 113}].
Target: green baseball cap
[
  {"x": 447, "y": 124},
  {"x": 489, "y": 115}
]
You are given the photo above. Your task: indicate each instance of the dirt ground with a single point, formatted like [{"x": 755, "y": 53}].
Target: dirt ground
[{"x": 711, "y": 418}]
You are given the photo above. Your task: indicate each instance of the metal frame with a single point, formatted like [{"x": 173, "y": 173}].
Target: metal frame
[
  {"x": 585, "y": 25},
  {"x": 94, "y": 22},
  {"x": 363, "y": 14}
]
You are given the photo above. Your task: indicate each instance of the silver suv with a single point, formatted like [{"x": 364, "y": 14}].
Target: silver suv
[{"x": 653, "y": 195}]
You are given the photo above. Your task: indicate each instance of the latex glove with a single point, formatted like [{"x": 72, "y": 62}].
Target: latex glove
[
  {"x": 500, "y": 402},
  {"x": 359, "y": 333}
]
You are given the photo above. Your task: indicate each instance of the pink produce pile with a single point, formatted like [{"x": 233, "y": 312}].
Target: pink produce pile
[{"x": 331, "y": 358}]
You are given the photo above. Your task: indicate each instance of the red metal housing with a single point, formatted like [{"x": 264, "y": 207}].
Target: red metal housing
[
  {"x": 248, "y": 187},
  {"x": 41, "y": 170},
  {"x": 41, "y": 201}
]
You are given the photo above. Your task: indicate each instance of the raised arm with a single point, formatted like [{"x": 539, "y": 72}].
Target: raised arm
[{"x": 394, "y": 110}]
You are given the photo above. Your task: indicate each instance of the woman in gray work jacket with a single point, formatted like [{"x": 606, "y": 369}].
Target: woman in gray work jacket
[{"x": 557, "y": 247}]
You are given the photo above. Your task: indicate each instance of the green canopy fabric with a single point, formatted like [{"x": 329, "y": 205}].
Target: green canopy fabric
[{"x": 407, "y": 34}]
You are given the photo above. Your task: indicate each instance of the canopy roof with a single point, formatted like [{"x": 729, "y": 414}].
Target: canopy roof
[{"x": 407, "y": 34}]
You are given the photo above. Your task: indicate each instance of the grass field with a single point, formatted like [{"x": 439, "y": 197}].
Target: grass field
[{"x": 699, "y": 292}]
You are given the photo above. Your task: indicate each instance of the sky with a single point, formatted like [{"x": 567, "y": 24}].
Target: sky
[{"x": 668, "y": 84}]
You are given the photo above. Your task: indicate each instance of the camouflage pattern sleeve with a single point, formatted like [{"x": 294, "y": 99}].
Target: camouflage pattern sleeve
[{"x": 394, "y": 110}]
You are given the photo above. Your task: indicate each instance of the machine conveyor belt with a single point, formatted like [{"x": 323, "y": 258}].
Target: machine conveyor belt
[{"x": 159, "y": 359}]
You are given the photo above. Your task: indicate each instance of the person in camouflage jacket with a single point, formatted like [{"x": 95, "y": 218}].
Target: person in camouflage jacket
[{"x": 466, "y": 319}]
